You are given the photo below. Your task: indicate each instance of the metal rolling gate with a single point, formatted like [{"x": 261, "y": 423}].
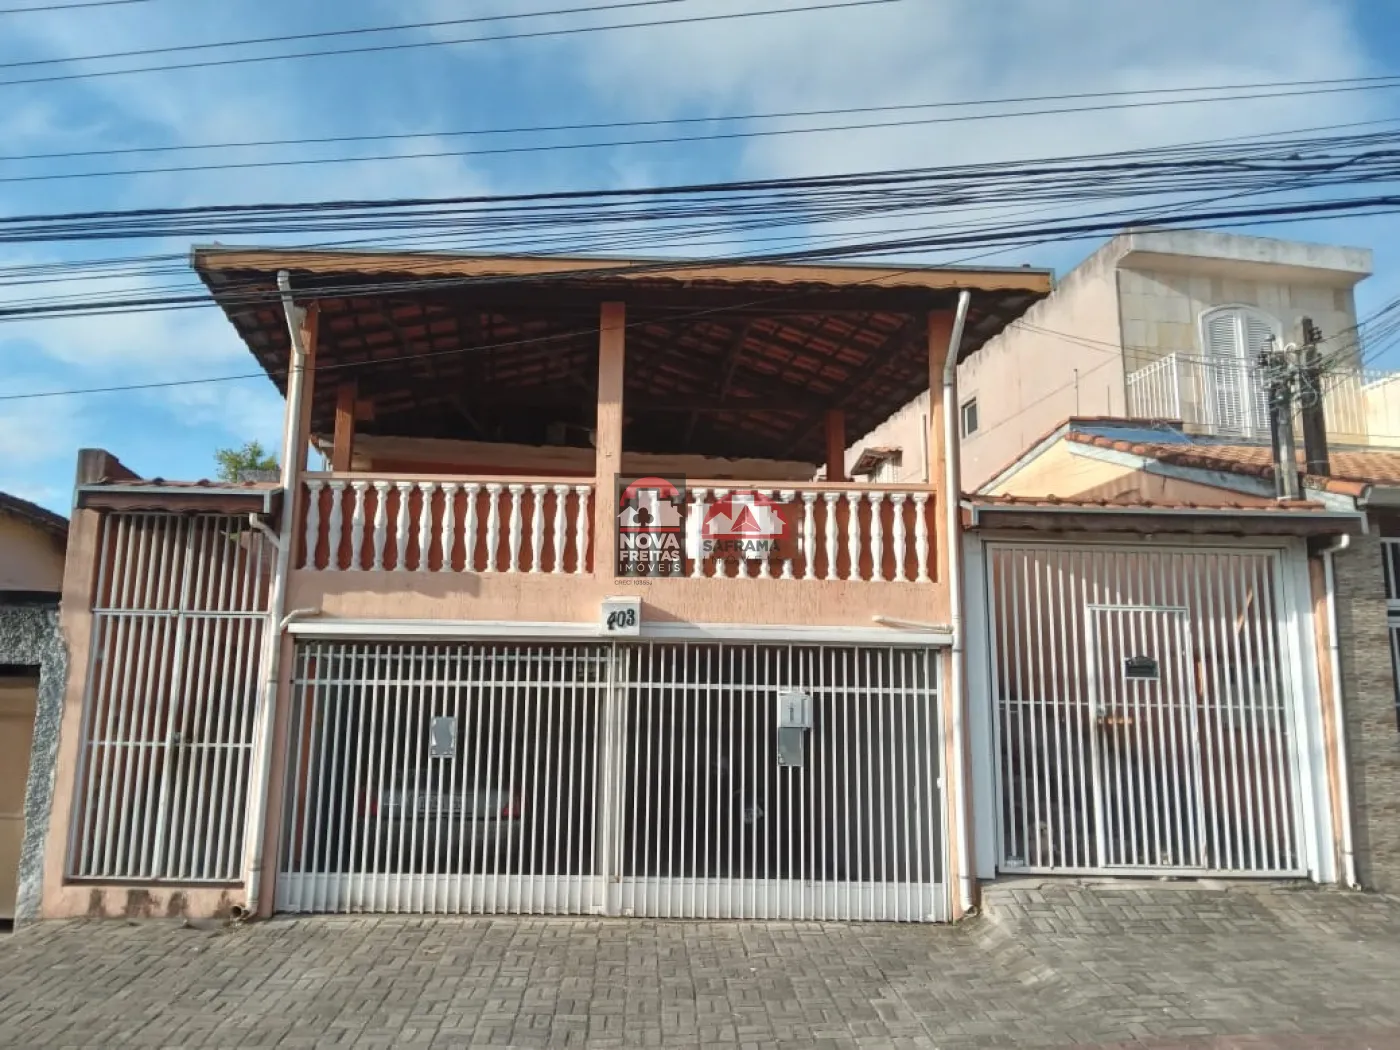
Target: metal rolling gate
[
  {"x": 706, "y": 780},
  {"x": 1144, "y": 711}
]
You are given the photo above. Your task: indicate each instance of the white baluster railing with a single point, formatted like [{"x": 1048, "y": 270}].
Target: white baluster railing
[
  {"x": 531, "y": 522},
  {"x": 521, "y": 531},
  {"x": 401, "y": 526},
  {"x": 921, "y": 535},
  {"x": 693, "y": 522},
  {"x": 897, "y": 500},
  {"x": 313, "y": 522},
  {"x": 448, "y": 537},
  {"x": 581, "y": 525},
  {"x": 536, "y": 526},
  {"x": 830, "y": 498},
  {"x": 493, "y": 525},
  {"x": 867, "y": 529},
  {"x": 381, "y": 522},
  {"x": 561, "y": 507},
  {"x": 357, "y": 525},
  {"x": 517, "y": 506},
  {"x": 425, "y": 523}
]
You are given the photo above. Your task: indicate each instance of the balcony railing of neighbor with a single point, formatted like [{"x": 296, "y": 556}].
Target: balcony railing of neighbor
[{"x": 1230, "y": 398}]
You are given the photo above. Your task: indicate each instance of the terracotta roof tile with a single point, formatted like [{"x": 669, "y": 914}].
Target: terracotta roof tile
[
  {"x": 1352, "y": 470},
  {"x": 1137, "y": 503},
  {"x": 204, "y": 483}
]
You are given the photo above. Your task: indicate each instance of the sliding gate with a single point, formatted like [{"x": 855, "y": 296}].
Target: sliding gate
[
  {"x": 1144, "y": 711},
  {"x": 710, "y": 780}
]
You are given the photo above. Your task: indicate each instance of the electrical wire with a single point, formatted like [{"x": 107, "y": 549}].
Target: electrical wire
[
  {"x": 68, "y": 7},
  {"x": 1359, "y": 82},
  {"x": 725, "y": 136},
  {"x": 398, "y": 27},
  {"x": 367, "y": 49}
]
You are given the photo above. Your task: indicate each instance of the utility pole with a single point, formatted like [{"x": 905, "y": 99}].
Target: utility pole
[
  {"x": 1279, "y": 368},
  {"x": 1310, "y": 404}
]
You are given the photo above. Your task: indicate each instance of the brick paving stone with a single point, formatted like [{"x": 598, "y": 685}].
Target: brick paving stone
[{"x": 1145, "y": 965}]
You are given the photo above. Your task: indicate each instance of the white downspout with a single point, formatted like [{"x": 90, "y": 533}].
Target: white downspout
[
  {"x": 1338, "y": 715},
  {"x": 277, "y": 599},
  {"x": 952, "y": 499}
]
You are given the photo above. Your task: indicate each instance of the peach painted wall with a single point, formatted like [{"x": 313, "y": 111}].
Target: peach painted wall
[
  {"x": 30, "y": 558},
  {"x": 1061, "y": 359}
]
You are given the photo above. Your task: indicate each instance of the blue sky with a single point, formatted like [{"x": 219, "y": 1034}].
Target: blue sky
[{"x": 909, "y": 51}]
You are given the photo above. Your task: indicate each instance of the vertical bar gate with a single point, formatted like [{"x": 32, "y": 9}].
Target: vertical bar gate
[
  {"x": 1144, "y": 711},
  {"x": 631, "y": 779},
  {"x": 178, "y": 616}
]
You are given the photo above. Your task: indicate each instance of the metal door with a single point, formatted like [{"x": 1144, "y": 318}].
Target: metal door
[
  {"x": 1147, "y": 763},
  {"x": 1144, "y": 710}
]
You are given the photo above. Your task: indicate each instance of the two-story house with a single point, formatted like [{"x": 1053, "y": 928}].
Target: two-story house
[
  {"x": 563, "y": 625},
  {"x": 1157, "y": 324},
  {"x": 1157, "y": 684}
]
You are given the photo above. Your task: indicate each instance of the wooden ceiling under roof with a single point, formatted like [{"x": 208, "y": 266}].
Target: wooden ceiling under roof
[{"x": 727, "y": 361}]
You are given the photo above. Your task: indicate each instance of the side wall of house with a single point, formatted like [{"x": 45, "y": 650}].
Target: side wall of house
[
  {"x": 1368, "y": 690},
  {"x": 1162, "y": 309},
  {"x": 1061, "y": 359},
  {"x": 30, "y": 558}
]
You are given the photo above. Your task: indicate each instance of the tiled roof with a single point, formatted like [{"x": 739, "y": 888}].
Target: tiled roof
[
  {"x": 1135, "y": 502},
  {"x": 202, "y": 484},
  {"x": 1352, "y": 471}
]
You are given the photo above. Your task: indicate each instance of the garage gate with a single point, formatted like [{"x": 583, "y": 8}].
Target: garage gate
[
  {"x": 1144, "y": 711},
  {"x": 682, "y": 780}
]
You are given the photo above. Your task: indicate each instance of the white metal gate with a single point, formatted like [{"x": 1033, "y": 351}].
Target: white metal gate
[
  {"x": 1144, "y": 711},
  {"x": 444, "y": 778},
  {"x": 178, "y": 616},
  {"x": 629, "y": 779}
]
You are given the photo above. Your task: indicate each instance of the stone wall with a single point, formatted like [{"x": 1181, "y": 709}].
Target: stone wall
[
  {"x": 29, "y": 635},
  {"x": 1368, "y": 691}
]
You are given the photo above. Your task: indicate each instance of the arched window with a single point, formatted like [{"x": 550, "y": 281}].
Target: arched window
[{"x": 1232, "y": 337}]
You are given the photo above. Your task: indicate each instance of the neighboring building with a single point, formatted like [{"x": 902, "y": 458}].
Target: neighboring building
[
  {"x": 1160, "y": 325},
  {"x": 423, "y": 680},
  {"x": 32, "y": 671},
  {"x": 1117, "y": 466}
]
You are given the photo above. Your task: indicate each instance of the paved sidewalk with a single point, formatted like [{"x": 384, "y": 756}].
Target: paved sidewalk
[{"x": 1051, "y": 964}]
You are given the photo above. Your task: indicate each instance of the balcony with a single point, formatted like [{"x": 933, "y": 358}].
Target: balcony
[
  {"x": 1228, "y": 399},
  {"x": 520, "y": 548}
]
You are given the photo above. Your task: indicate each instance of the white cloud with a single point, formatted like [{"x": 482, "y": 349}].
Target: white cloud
[{"x": 912, "y": 51}]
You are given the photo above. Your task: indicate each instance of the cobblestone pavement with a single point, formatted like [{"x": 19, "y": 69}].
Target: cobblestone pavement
[{"x": 1050, "y": 964}]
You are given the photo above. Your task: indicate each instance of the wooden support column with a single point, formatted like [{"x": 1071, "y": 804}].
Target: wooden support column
[
  {"x": 940, "y": 329},
  {"x": 835, "y": 445},
  {"x": 310, "y": 327},
  {"x": 607, "y": 439},
  {"x": 345, "y": 405}
]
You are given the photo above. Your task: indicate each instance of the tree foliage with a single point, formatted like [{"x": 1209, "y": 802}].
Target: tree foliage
[{"x": 237, "y": 464}]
